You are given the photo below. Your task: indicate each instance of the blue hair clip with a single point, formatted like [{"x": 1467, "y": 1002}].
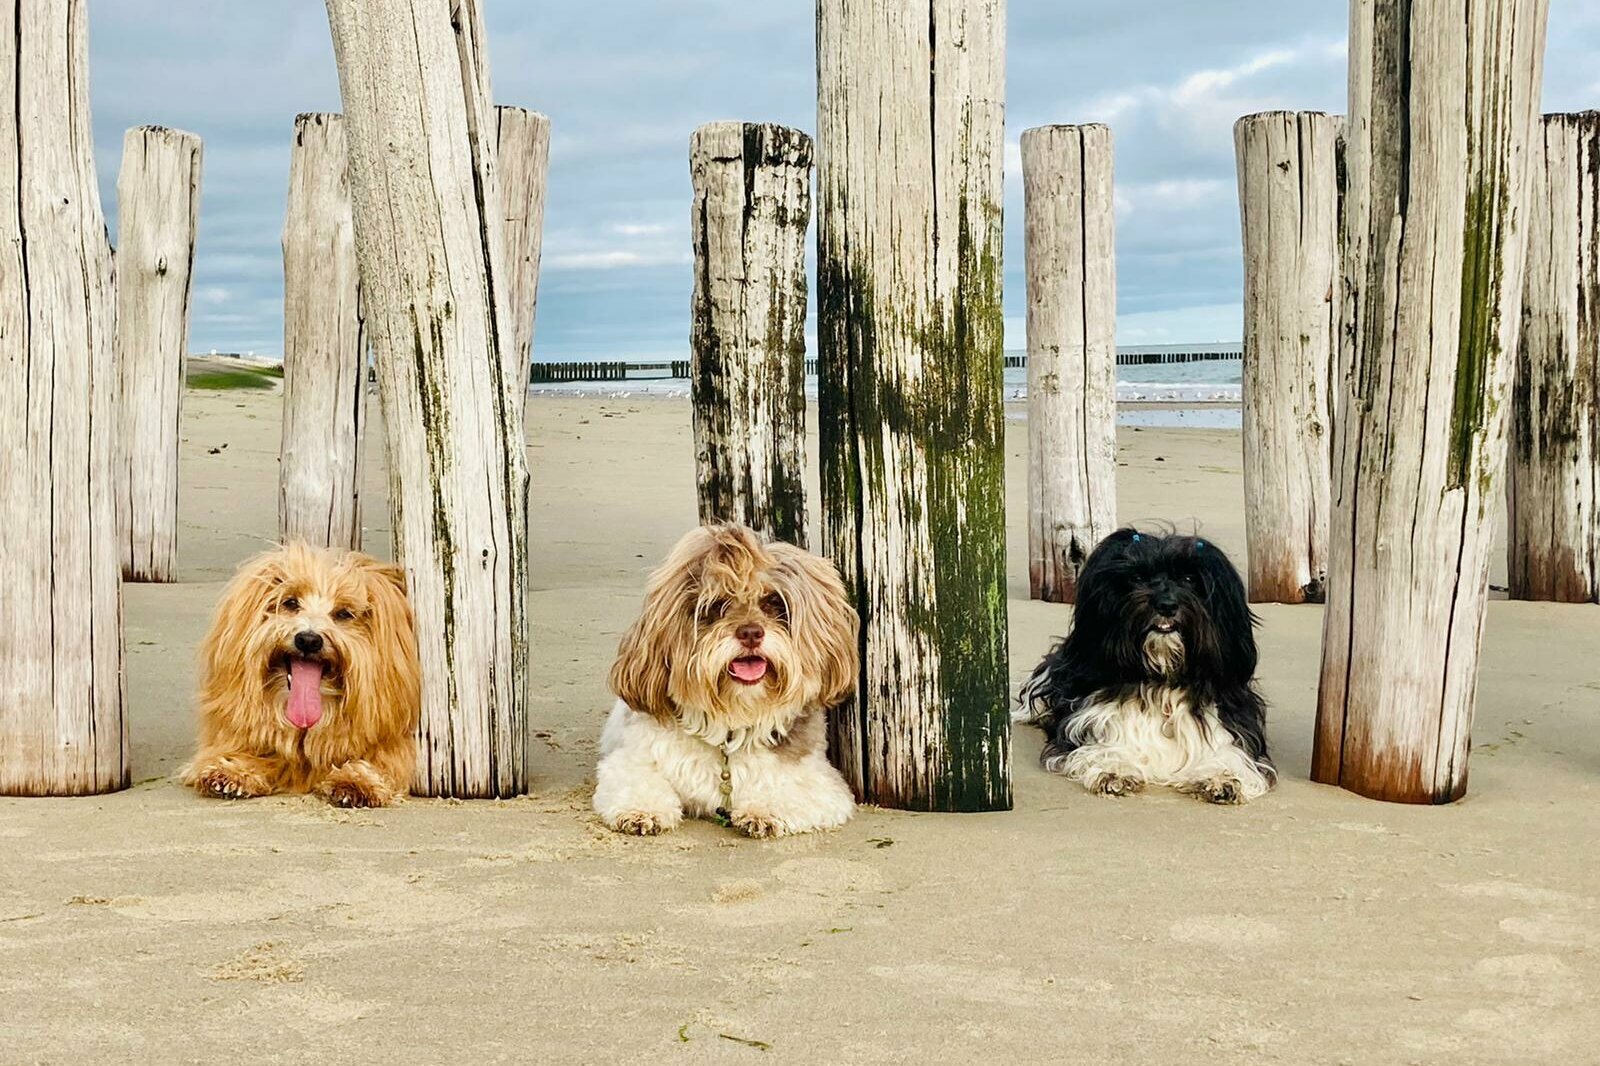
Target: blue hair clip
[
  {"x": 1199, "y": 544},
  {"x": 1136, "y": 538}
]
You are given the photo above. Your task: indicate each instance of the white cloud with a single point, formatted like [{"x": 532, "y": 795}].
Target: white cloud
[
  {"x": 617, "y": 245},
  {"x": 640, "y": 229},
  {"x": 613, "y": 259},
  {"x": 1206, "y": 83},
  {"x": 1206, "y": 102},
  {"x": 1180, "y": 194},
  {"x": 1110, "y": 108},
  {"x": 625, "y": 84}
]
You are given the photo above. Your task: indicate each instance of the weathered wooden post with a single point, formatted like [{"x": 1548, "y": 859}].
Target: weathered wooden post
[
  {"x": 523, "y": 143},
  {"x": 61, "y": 719},
  {"x": 324, "y": 345},
  {"x": 910, "y": 152},
  {"x": 1443, "y": 106},
  {"x": 752, "y": 209},
  {"x": 1069, "y": 226},
  {"x": 1289, "y": 216},
  {"x": 1554, "y": 480},
  {"x": 158, "y": 214},
  {"x": 426, "y": 200}
]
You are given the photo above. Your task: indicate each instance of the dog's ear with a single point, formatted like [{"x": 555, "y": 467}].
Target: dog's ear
[
  {"x": 250, "y": 595},
  {"x": 1099, "y": 592},
  {"x": 393, "y": 573},
  {"x": 641, "y": 676},
  {"x": 387, "y": 593},
  {"x": 254, "y": 589},
  {"x": 1230, "y": 608},
  {"x": 394, "y": 672},
  {"x": 1115, "y": 551},
  {"x": 822, "y": 621}
]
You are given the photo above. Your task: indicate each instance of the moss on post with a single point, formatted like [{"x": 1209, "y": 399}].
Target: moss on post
[
  {"x": 1443, "y": 104},
  {"x": 431, "y": 249},
  {"x": 911, "y": 334}
]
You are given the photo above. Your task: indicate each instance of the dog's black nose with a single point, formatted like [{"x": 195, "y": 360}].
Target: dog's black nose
[
  {"x": 750, "y": 636},
  {"x": 308, "y": 642},
  {"x": 1163, "y": 597}
]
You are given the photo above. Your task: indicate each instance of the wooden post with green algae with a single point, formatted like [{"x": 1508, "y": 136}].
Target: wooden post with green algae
[
  {"x": 910, "y": 145},
  {"x": 1444, "y": 105},
  {"x": 431, "y": 246}
]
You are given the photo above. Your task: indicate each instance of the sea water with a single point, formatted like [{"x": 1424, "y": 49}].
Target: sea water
[{"x": 1203, "y": 394}]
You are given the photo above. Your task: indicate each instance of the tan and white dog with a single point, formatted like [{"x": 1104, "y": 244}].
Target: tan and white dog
[
  {"x": 310, "y": 681},
  {"x": 724, "y": 684}
]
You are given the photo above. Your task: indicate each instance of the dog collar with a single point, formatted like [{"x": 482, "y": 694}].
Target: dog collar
[{"x": 725, "y": 812}]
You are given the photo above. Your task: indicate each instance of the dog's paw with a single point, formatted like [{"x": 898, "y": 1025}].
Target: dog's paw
[
  {"x": 642, "y": 823},
  {"x": 353, "y": 794},
  {"x": 1116, "y": 785},
  {"x": 757, "y": 825},
  {"x": 1223, "y": 789},
  {"x": 224, "y": 783},
  {"x": 356, "y": 785}
]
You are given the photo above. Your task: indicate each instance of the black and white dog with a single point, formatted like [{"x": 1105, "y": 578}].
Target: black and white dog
[{"x": 1154, "y": 685}]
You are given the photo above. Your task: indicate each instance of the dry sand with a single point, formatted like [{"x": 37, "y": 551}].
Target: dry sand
[{"x": 1310, "y": 927}]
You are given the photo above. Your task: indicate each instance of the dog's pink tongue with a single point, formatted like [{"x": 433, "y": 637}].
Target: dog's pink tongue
[
  {"x": 749, "y": 670},
  {"x": 305, "y": 693}
]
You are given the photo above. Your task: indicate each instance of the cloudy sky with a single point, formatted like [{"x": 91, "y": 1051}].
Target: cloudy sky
[{"x": 626, "y": 81}]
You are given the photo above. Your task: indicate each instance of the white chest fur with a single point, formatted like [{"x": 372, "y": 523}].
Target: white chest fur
[
  {"x": 1154, "y": 736},
  {"x": 652, "y": 773}
]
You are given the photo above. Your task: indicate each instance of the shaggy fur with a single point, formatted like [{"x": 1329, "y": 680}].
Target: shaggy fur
[
  {"x": 287, "y": 616},
  {"x": 740, "y": 651},
  {"x": 1154, "y": 685}
]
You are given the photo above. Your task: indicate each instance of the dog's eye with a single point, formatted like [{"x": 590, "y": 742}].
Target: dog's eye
[
  {"x": 713, "y": 610},
  {"x": 1191, "y": 580},
  {"x": 344, "y": 614},
  {"x": 774, "y": 606},
  {"x": 291, "y": 605}
]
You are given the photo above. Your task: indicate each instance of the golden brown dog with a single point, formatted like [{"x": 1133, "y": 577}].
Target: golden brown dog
[{"x": 310, "y": 681}]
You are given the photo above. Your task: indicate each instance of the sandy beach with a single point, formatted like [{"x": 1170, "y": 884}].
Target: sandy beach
[{"x": 1310, "y": 927}]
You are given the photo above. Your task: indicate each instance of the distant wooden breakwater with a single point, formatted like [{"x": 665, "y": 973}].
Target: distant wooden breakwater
[{"x": 619, "y": 370}]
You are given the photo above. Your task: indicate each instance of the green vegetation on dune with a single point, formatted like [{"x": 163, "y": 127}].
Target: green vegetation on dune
[{"x": 211, "y": 374}]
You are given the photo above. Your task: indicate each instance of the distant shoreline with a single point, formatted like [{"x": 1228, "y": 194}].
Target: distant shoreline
[{"x": 1141, "y": 404}]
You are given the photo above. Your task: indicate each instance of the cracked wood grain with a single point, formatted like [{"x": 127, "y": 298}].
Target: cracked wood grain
[
  {"x": 158, "y": 215},
  {"x": 523, "y": 150},
  {"x": 1289, "y": 220},
  {"x": 752, "y": 212},
  {"x": 910, "y": 145},
  {"x": 324, "y": 345},
  {"x": 1553, "y": 484},
  {"x": 432, "y": 255},
  {"x": 1072, "y": 351},
  {"x": 1443, "y": 108},
  {"x": 62, "y": 724}
]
